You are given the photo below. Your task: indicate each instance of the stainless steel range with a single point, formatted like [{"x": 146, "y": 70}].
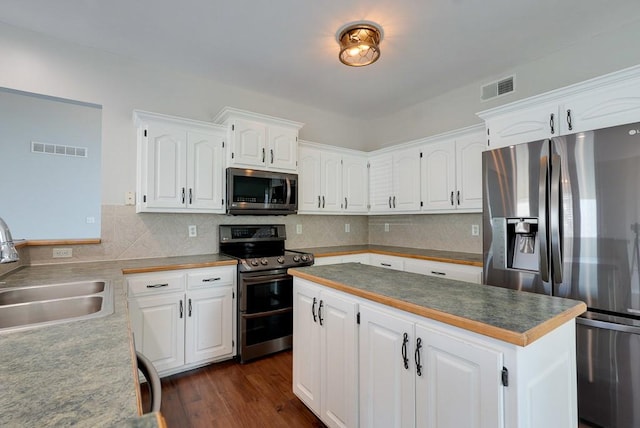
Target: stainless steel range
[{"x": 265, "y": 290}]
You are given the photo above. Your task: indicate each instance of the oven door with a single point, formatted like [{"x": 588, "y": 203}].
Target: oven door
[
  {"x": 265, "y": 333},
  {"x": 265, "y": 313},
  {"x": 265, "y": 292}
]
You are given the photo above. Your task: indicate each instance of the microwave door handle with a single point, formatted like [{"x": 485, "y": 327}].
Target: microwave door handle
[
  {"x": 542, "y": 219},
  {"x": 288, "y": 181}
]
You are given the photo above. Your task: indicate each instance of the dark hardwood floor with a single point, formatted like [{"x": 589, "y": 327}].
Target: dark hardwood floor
[{"x": 229, "y": 394}]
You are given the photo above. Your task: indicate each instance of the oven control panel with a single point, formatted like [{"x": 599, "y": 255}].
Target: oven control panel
[{"x": 275, "y": 262}]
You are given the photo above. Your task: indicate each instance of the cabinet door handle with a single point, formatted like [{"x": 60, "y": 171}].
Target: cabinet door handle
[
  {"x": 263, "y": 153},
  {"x": 438, "y": 273},
  {"x": 345, "y": 203},
  {"x": 394, "y": 202},
  {"x": 458, "y": 197},
  {"x": 190, "y": 308},
  {"x": 320, "y": 312},
  {"x": 417, "y": 356},
  {"x": 323, "y": 201},
  {"x": 552, "y": 123},
  {"x": 181, "y": 308},
  {"x": 569, "y": 120},
  {"x": 385, "y": 264},
  {"x": 405, "y": 340},
  {"x": 183, "y": 195},
  {"x": 271, "y": 155},
  {"x": 318, "y": 201},
  {"x": 190, "y": 196},
  {"x": 451, "y": 198},
  {"x": 389, "y": 201},
  {"x": 212, "y": 279},
  {"x": 313, "y": 310},
  {"x": 157, "y": 285}
]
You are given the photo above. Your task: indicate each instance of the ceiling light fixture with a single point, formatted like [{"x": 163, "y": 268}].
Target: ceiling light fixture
[{"x": 359, "y": 43}]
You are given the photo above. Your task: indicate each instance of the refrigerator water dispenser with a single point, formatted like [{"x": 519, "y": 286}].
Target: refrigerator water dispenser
[{"x": 515, "y": 244}]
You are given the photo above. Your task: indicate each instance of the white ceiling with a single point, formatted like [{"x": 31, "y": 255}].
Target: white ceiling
[{"x": 287, "y": 48}]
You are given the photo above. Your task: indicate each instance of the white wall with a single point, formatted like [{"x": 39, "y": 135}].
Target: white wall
[
  {"x": 31, "y": 62},
  {"x": 605, "y": 53}
]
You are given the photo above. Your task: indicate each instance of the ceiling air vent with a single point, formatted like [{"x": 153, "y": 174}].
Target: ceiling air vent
[{"x": 496, "y": 89}]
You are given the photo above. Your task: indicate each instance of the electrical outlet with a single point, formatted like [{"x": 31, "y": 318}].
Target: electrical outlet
[
  {"x": 130, "y": 198},
  {"x": 475, "y": 230},
  {"x": 347, "y": 228},
  {"x": 91, "y": 220},
  {"x": 298, "y": 229},
  {"x": 193, "y": 231},
  {"x": 386, "y": 227},
  {"x": 59, "y": 253}
]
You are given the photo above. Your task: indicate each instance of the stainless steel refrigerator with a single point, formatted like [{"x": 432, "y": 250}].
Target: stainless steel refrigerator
[{"x": 561, "y": 217}]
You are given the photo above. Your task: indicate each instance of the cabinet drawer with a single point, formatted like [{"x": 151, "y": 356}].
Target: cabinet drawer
[
  {"x": 206, "y": 278},
  {"x": 153, "y": 283},
  {"x": 389, "y": 262},
  {"x": 445, "y": 270}
]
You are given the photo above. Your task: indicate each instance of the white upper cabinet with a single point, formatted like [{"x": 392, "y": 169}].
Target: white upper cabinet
[
  {"x": 331, "y": 180},
  {"x": 180, "y": 164},
  {"x": 355, "y": 183},
  {"x": 451, "y": 172},
  {"x": 394, "y": 181},
  {"x": 260, "y": 141},
  {"x": 438, "y": 176},
  {"x": 610, "y": 100}
]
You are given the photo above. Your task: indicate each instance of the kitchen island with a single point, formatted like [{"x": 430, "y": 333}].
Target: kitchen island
[
  {"x": 79, "y": 373},
  {"x": 399, "y": 349}
]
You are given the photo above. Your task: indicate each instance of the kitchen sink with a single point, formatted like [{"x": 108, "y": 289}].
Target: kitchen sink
[
  {"x": 38, "y": 306},
  {"x": 38, "y": 293}
]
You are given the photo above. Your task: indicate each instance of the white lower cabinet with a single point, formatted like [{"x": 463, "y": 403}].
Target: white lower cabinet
[
  {"x": 459, "y": 382},
  {"x": 184, "y": 318},
  {"x": 385, "y": 261},
  {"x": 325, "y": 375},
  {"x": 412, "y": 375},
  {"x": 397, "y": 369},
  {"x": 387, "y": 373},
  {"x": 347, "y": 258},
  {"x": 444, "y": 270}
]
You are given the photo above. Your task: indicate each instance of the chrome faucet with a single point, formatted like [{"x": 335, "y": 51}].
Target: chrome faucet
[{"x": 8, "y": 252}]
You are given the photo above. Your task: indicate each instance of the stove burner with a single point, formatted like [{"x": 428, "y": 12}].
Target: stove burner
[{"x": 260, "y": 247}]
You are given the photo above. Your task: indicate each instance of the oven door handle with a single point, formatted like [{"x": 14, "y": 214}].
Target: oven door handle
[
  {"x": 265, "y": 278},
  {"x": 267, "y": 313}
]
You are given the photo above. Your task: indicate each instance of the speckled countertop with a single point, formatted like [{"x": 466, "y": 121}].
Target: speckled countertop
[
  {"x": 79, "y": 373},
  {"x": 416, "y": 253},
  {"x": 512, "y": 316}
]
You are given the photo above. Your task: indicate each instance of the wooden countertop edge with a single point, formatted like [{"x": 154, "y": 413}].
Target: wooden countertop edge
[
  {"x": 519, "y": 339},
  {"x": 45, "y": 242},
  {"x": 396, "y": 254},
  {"x": 160, "y": 420},
  {"x": 162, "y": 268}
]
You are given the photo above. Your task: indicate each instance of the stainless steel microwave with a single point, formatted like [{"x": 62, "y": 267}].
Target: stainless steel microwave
[{"x": 257, "y": 192}]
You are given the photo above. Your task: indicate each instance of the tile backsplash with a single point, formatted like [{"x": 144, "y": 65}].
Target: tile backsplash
[
  {"x": 127, "y": 235},
  {"x": 449, "y": 232}
]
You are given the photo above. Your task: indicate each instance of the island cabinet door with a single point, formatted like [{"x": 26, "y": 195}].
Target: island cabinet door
[
  {"x": 458, "y": 383},
  {"x": 387, "y": 370},
  {"x": 306, "y": 344},
  {"x": 338, "y": 360}
]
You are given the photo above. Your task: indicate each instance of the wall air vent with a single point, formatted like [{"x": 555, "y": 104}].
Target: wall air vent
[
  {"x": 498, "y": 88},
  {"x": 57, "y": 149}
]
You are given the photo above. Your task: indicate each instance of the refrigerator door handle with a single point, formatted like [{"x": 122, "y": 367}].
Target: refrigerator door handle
[
  {"x": 555, "y": 219},
  {"x": 608, "y": 325},
  {"x": 542, "y": 219}
]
